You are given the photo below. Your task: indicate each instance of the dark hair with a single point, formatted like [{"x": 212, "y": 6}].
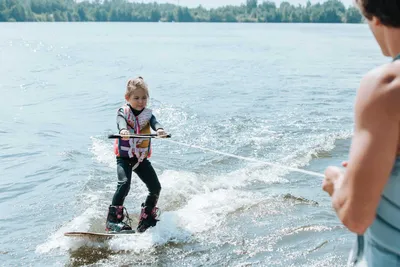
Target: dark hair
[{"x": 387, "y": 11}]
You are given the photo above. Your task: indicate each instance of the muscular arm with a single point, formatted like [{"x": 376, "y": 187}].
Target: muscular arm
[{"x": 373, "y": 150}]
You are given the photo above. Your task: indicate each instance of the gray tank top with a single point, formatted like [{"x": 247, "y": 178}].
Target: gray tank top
[{"x": 385, "y": 230}]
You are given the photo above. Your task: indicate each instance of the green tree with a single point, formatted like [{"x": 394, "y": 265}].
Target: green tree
[
  {"x": 183, "y": 15},
  {"x": 200, "y": 14},
  {"x": 285, "y": 11},
  {"x": 3, "y": 16},
  {"x": 230, "y": 17},
  {"x": 3, "y": 11},
  {"x": 251, "y": 4},
  {"x": 353, "y": 15},
  {"x": 39, "y": 6},
  {"x": 60, "y": 16},
  {"x": 18, "y": 13},
  {"x": 215, "y": 16},
  {"x": 82, "y": 14},
  {"x": 3, "y": 6},
  {"x": 331, "y": 11},
  {"x": 170, "y": 17},
  {"x": 73, "y": 16},
  {"x": 101, "y": 15},
  {"x": 69, "y": 16},
  {"x": 316, "y": 13},
  {"x": 155, "y": 15},
  {"x": 268, "y": 11},
  {"x": 11, "y": 3}
]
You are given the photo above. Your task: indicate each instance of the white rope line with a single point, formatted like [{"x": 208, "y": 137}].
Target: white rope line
[{"x": 249, "y": 159}]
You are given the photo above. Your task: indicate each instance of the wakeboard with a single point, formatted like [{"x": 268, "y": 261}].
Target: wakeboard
[{"x": 99, "y": 236}]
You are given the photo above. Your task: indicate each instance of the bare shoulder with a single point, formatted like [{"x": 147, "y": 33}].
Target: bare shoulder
[{"x": 380, "y": 90}]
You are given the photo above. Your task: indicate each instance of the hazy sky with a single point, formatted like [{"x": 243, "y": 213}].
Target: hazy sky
[{"x": 216, "y": 3}]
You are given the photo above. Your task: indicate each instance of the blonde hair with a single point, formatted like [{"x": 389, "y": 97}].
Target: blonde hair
[{"x": 135, "y": 84}]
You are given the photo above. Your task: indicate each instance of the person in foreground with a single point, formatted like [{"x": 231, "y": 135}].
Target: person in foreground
[
  {"x": 132, "y": 155},
  {"x": 366, "y": 195}
]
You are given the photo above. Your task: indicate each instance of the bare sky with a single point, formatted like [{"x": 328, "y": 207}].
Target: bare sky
[{"x": 216, "y": 3}]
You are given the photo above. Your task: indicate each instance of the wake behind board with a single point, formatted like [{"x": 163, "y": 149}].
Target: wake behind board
[{"x": 98, "y": 236}]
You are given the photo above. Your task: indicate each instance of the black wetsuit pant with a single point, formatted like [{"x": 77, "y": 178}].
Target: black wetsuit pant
[{"x": 145, "y": 172}]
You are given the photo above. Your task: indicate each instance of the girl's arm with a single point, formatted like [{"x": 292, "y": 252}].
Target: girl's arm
[
  {"x": 121, "y": 121},
  {"x": 154, "y": 124}
]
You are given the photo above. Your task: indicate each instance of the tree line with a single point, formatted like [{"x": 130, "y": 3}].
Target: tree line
[{"x": 331, "y": 11}]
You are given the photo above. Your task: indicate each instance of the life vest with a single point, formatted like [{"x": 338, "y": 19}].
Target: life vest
[{"x": 135, "y": 147}]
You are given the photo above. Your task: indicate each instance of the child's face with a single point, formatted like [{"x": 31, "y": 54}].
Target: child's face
[{"x": 138, "y": 100}]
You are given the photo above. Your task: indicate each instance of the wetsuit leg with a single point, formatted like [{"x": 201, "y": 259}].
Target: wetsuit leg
[
  {"x": 124, "y": 172},
  {"x": 148, "y": 175}
]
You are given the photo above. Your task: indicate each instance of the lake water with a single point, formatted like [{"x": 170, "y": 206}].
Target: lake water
[{"x": 280, "y": 93}]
